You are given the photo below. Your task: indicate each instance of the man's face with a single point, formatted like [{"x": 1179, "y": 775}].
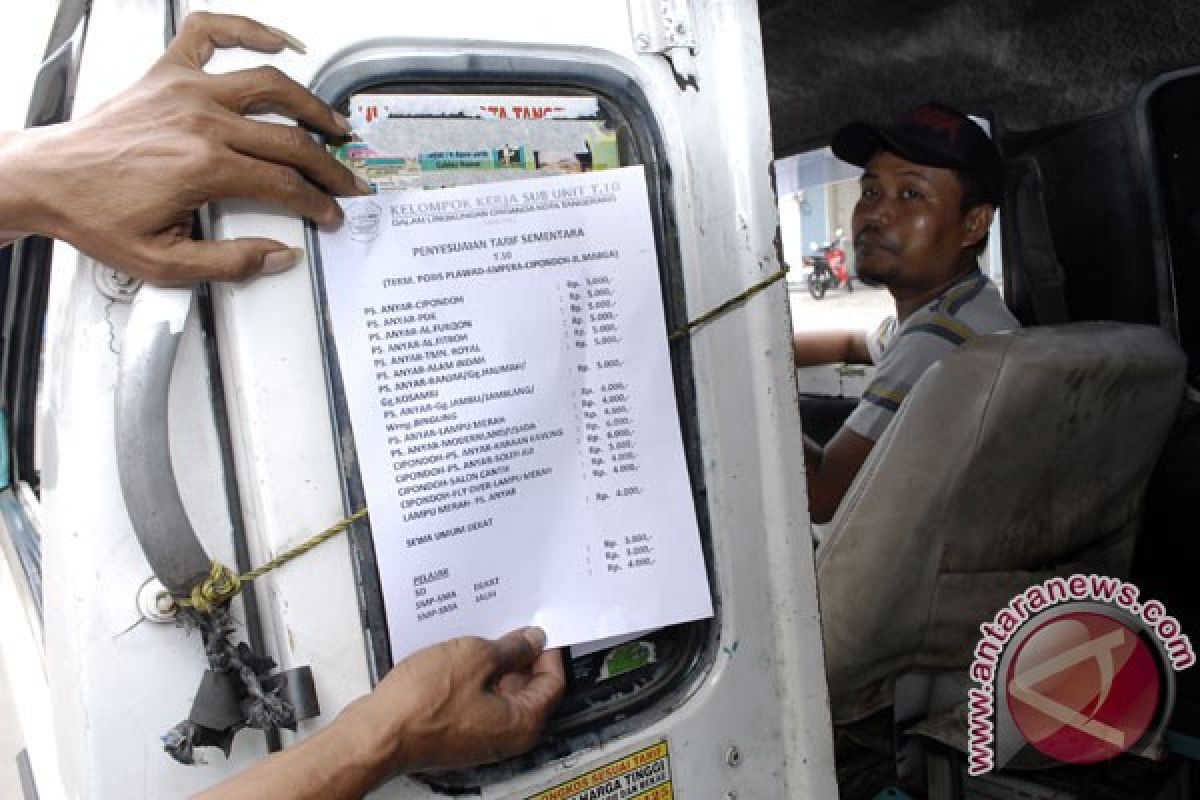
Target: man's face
[{"x": 909, "y": 229}]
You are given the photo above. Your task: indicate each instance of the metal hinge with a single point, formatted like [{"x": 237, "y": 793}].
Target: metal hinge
[{"x": 664, "y": 27}]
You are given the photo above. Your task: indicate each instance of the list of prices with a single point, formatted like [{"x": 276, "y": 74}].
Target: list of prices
[{"x": 504, "y": 359}]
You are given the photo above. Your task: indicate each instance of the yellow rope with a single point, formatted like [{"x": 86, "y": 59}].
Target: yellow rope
[
  {"x": 727, "y": 305},
  {"x": 222, "y": 583}
]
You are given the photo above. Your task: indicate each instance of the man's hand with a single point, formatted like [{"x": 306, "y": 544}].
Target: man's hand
[
  {"x": 464, "y": 702},
  {"x": 121, "y": 183},
  {"x": 467, "y": 701}
]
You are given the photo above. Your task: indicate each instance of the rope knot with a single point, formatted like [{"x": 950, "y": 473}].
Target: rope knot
[
  {"x": 217, "y": 589},
  {"x": 222, "y": 583}
]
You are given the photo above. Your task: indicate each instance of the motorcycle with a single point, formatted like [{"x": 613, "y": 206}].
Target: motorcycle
[{"x": 827, "y": 267}]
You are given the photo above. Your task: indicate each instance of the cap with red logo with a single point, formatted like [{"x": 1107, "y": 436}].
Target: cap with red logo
[{"x": 934, "y": 135}]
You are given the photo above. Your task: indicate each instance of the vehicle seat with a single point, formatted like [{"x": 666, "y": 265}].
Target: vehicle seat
[{"x": 1019, "y": 456}]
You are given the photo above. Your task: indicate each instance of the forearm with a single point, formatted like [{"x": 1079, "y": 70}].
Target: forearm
[
  {"x": 814, "y": 348},
  {"x": 341, "y": 761},
  {"x": 813, "y": 452},
  {"x": 22, "y": 206},
  {"x": 830, "y": 470}
]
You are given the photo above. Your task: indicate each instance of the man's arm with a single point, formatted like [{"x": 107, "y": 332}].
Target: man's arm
[
  {"x": 830, "y": 470},
  {"x": 814, "y": 348},
  {"x": 121, "y": 183},
  {"x": 467, "y": 701}
]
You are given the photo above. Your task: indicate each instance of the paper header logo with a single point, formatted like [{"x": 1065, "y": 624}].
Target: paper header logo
[{"x": 364, "y": 218}]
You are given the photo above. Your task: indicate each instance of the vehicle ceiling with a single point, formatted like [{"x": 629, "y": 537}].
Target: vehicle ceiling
[{"x": 1026, "y": 63}]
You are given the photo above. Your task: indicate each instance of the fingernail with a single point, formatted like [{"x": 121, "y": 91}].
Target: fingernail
[
  {"x": 331, "y": 219},
  {"x": 291, "y": 41},
  {"x": 281, "y": 260},
  {"x": 536, "y": 637},
  {"x": 343, "y": 124},
  {"x": 363, "y": 186}
]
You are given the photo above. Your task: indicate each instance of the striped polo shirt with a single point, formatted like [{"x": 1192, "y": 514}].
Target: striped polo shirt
[{"x": 971, "y": 307}]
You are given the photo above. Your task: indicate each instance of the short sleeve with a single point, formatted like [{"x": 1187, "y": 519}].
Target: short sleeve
[
  {"x": 879, "y": 339},
  {"x": 913, "y": 352}
]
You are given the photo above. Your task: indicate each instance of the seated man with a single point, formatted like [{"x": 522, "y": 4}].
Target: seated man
[{"x": 930, "y": 187}]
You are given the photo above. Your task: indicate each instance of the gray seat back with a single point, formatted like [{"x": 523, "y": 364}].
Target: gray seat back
[{"x": 1021, "y": 455}]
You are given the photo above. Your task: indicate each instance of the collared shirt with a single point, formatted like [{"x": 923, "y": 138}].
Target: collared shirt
[{"x": 969, "y": 308}]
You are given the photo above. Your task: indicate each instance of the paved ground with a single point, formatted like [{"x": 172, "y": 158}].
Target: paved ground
[{"x": 861, "y": 309}]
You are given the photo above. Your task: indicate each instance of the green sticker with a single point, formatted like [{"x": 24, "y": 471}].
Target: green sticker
[{"x": 626, "y": 658}]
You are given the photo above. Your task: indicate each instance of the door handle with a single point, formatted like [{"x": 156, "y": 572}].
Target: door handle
[{"x": 144, "y": 468}]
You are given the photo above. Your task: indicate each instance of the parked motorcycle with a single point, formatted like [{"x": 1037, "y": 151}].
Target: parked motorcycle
[{"x": 827, "y": 267}]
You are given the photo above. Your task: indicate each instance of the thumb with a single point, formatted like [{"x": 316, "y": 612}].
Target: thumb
[
  {"x": 516, "y": 650},
  {"x": 189, "y": 260},
  {"x": 543, "y": 691},
  {"x": 530, "y": 705}
]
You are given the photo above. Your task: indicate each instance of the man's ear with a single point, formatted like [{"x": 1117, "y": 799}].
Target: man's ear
[{"x": 976, "y": 224}]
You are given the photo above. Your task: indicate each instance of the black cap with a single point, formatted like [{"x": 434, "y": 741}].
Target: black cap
[{"x": 934, "y": 135}]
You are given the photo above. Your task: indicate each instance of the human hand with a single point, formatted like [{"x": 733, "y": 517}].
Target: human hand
[
  {"x": 121, "y": 184},
  {"x": 464, "y": 702}
]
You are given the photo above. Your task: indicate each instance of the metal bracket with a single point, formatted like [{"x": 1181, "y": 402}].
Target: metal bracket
[
  {"x": 115, "y": 285},
  {"x": 664, "y": 27}
]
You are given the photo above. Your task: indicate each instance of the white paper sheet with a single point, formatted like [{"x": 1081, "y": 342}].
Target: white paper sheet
[{"x": 504, "y": 357}]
